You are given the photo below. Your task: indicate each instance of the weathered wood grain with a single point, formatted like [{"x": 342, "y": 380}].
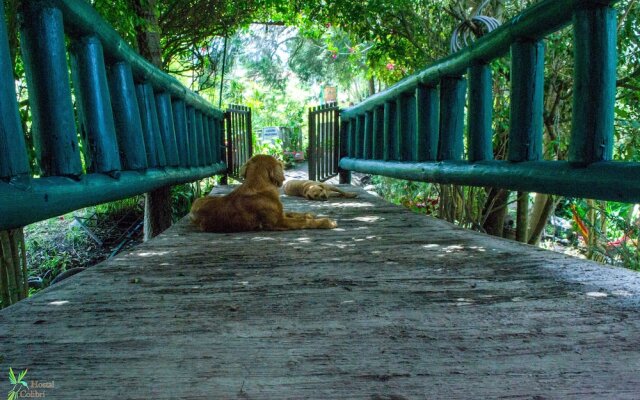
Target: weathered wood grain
[{"x": 390, "y": 305}]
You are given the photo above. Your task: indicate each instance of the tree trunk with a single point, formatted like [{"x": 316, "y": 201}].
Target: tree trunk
[
  {"x": 14, "y": 279},
  {"x": 542, "y": 209},
  {"x": 157, "y": 204},
  {"x": 495, "y": 210},
  {"x": 522, "y": 219},
  {"x": 372, "y": 86}
]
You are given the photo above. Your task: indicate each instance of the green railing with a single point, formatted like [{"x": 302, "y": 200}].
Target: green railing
[
  {"x": 415, "y": 129},
  {"x": 139, "y": 128},
  {"x": 324, "y": 136},
  {"x": 239, "y": 139}
]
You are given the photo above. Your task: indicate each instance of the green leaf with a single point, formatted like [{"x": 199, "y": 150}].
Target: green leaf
[
  {"x": 22, "y": 374},
  {"x": 12, "y": 376}
]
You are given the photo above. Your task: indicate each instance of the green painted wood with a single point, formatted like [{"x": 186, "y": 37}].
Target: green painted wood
[
  {"x": 401, "y": 127},
  {"x": 45, "y": 58},
  {"x": 352, "y": 138},
  {"x": 527, "y": 96},
  {"x": 126, "y": 117},
  {"x": 206, "y": 127},
  {"x": 368, "y": 136},
  {"x": 533, "y": 23},
  {"x": 614, "y": 181},
  {"x": 81, "y": 19},
  {"x": 215, "y": 145},
  {"x": 13, "y": 152},
  {"x": 452, "y": 94},
  {"x": 150, "y": 127},
  {"x": 378, "y": 133},
  {"x": 594, "y": 85},
  {"x": 179, "y": 110},
  {"x": 359, "y": 136},
  {"x": 427, "y": 123},
  {"x": 48, "y": 197},
  {"x": 193, "y": 139},
  {"x": 480, "y": 132},
  {"x": 409, "y": 127},
  {"x": 202, "y": 153},
  {"x": 97, "y": 126},
  {"x": 167, "y": 129},
  {"x": 389, "y": 132}
]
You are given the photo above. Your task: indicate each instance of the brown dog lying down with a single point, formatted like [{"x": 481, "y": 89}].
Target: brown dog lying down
[
  {"x": 253, "y": 206},
  {"x": 313, "y": 190}
]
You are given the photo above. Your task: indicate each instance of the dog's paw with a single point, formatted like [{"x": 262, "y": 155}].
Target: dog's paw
[{"x": 326, "y": 223}]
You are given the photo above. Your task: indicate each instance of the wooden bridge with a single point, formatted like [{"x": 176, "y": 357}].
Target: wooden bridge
[{"x": 391, "y": 305}]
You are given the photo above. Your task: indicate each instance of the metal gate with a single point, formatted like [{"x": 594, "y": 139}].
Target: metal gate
[
  {"x": 324, "y": 141},
  {"x": 238, "y": 138}
]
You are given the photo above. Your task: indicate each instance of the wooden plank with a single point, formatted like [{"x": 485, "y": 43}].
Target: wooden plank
[{"x": 389, "y": 305}]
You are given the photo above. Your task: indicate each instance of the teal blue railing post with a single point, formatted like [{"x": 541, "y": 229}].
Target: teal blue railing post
[
  {"x": 127, "y": 117},
  {"x": 368, "y": 136},
  {"x": 389, "y": 132},
  {"x": 45, "y": 59},
  {"x": 167, "y": 128},
  {"x": 427, "y": 123},
  {"x": 13, "y": 153},
  {"x": 452, "y": 94},
  {"x": 377, "y": 144},
  {"x": 594, "y": 84},
  {"x": 150, "y": 126},
  {"x": 179, "y": 110},
  {"x": 480, "y": 113},
  {"x": 527, "y": 91},
  {"x": 94, "y": 106}
]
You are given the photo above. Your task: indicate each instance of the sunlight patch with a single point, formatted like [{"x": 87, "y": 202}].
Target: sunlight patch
[
  {"x": 368, "y": 218},
  {"x": 58, "y": 303},
  {"x": 153, "y": 253},
  {"x": 597, "y": 294}
]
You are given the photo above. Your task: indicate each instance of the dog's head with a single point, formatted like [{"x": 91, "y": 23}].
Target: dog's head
[
  {"x": 315, "y": 192},
  {"x": 263, "y": 167}
]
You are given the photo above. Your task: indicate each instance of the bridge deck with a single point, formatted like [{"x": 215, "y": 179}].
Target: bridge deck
[{"x": 391, "y": 305}]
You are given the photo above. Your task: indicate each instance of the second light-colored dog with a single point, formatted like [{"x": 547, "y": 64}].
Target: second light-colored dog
[{"x": 313, "y": 190}]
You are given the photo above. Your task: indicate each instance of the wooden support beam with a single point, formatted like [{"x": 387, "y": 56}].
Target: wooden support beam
[
  {"x": 45, "y": 60},
  {"x": 452, "y": 97},
  {"x": 480, "y": 113},
  {"x": 594, "y": 85},
  {"x": 13, "y": 153},
  {"x": 527, "y": 95},
  {"x": 427, "y": 123},
  {"x": 95, "y": 114},
  {"x": 126, "y": 115}
]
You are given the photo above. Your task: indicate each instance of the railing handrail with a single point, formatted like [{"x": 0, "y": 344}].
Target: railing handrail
[
  {"x": 141, "y": 129},
  {"x": 81, "y": 19},
  {"x": 532, "y": 24},
  {"x": 415, "y": 129}
]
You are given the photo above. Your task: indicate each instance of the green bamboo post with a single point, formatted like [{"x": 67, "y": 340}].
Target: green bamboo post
[
  {"x": 359, "y": 133},
  {"x": 179, "y": 110},
  {"x": 389, "y": 131},
  {"x": 400, "y": 128},
  {"x": 480, "y": 113},
  {"x": 368, "y": 135},
  {"x": 94, "y": 106},
  {"x": 193, "y": 140},
  {"x": 13, "y": 153},
  {"x": 344, "y": 176},
  {"x": 202, "y": 157},
  {"x": 427, "y": 123},
  {"x": 452, "y": 100},
  {"x": 377, "y": 144},
  {"x": 167, "y": 129},
  {"x": 527, "y": 91},
  {"x": 45, "y": 60},
  {"x": 127, "y": 117},
  {"x": 312, "y": 148},
  {"x": 150, "y": 128},
  {"x": 594, "y": 85}
]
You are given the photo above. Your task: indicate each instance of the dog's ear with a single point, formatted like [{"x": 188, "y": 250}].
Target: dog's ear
[
  {"x": 243, "y": 170},
  {"x": 276, "y": 173}
]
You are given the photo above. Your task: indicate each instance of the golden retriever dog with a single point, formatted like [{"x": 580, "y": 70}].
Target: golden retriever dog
[
  {"x": 313, "y": 190},
  {"x": 255, "y": 205}
]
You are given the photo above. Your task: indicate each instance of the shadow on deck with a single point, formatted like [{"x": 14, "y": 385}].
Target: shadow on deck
[{"x": 390, "y": 305}]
